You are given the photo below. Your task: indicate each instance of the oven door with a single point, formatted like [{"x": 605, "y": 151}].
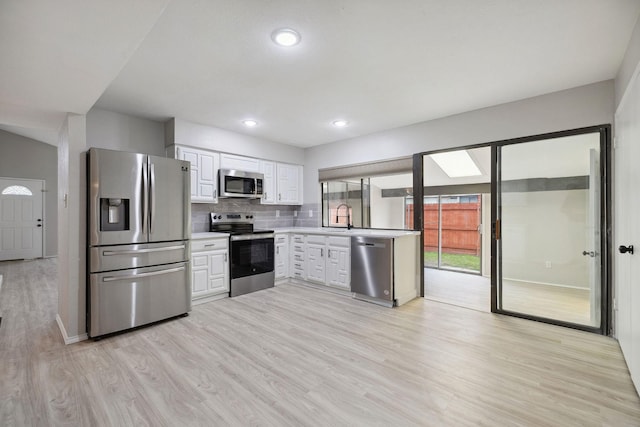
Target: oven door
[{"x": 251, "y": 254}]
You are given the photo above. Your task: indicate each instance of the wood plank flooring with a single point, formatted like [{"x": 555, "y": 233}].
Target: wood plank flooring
[
  {"x": 297, "y": 356},
  {"x": 474, "y": 291}
]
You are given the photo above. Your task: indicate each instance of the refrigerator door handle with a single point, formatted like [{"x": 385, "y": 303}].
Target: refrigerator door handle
[
  {"x": 152, "y": 196},
  {"x": 145, "y": 196},
  {"x": 141, "y": 275},
  {"x": 142, "y": 251}
]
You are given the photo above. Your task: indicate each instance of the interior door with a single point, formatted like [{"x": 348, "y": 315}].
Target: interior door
[
  {"x": 21, "y": 220},
  {"x": 627, "y": 229},
  {"x": 549, "y": 248}
]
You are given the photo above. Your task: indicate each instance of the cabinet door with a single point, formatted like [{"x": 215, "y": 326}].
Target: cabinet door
[
  {"x": 268, "y": 169},
  {"x": 191, "y": 157},
  {"x": 315, "y": 262},
  {"x": 281, "y": 260},
  {"x": 199, "y": 274},
  {"x": 241, "y": 163},
  {"x": 338, "y": 266},
  {"x": 218, "y": 272},
  {"x": 207, "y": 176},
  {"x": 288, "y": 182},
  {"x": 204, "y": 173}
]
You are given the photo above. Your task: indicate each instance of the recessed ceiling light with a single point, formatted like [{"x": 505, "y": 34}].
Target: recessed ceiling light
[
  {"x": 249, "y": 123},
  {"x": 286, "y": 37},
  {"x": 340, "y": 123},
  {"x": 456, "y": 164}
]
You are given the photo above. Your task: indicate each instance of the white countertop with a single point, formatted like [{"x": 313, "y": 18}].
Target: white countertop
[
  {"x": 327, "y": 231},
  {"x": 333, "y": 231},
  {"x": 209, "y": 235}
]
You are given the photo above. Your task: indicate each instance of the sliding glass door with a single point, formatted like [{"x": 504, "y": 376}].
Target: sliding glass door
[{"x": 548, "y": 217}]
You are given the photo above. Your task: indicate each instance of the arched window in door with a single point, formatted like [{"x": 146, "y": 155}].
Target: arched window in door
[{"x": 16, "y": 190}]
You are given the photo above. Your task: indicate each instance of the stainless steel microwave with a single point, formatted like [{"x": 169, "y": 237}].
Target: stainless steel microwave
[{"x": 235, "y": 183}]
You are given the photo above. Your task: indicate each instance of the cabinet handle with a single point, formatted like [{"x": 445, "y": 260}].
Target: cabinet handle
[
  {"x": 277, "y": 250},
  {"x": 329, "y": 253},
  {"x": 215, "y": 193},
  {"x": 210, "y": 245},
  {"x": 264, "y": 196},
  {"x": 279, "y": 196},
  {"x": 321, "y": 253},
  {"x": 225, "y": 257}
]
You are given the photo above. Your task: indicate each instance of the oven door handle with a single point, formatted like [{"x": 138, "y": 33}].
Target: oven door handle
[{"x": 258, "y": 236}]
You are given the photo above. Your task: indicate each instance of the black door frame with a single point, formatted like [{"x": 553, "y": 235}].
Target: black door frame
[{"x": 605, "y": 220}]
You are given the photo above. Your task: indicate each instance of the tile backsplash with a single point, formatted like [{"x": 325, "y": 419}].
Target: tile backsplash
[{"x": 264, "y": 216}]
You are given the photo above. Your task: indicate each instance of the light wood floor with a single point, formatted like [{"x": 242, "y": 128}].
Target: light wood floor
[
  {"x": 474, "y": 291},
  {"x": 297, "y": 356}
]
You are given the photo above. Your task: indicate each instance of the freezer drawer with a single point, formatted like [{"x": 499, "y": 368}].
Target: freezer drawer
[
  {"x": 372, "y": 267},
  {"x": 120, "y": 257},
  {"x": 129, "y": 298}
]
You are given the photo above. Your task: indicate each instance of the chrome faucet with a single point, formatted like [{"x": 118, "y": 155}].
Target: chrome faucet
[{"x": 349, "y": 226}]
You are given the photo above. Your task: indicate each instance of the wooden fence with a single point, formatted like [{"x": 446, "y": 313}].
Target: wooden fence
[{"x": 460, "y": 226}]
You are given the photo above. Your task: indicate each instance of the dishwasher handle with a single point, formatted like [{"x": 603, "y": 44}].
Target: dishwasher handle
[{"x": 372, "y": 245}]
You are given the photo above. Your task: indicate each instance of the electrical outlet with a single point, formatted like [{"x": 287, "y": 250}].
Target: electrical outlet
[
  {"x": 295, "y": 213},
  {"x": 310, "y": 213},
  {"x": 547, "y": 264},
  {"x": 277, "y": 213}
]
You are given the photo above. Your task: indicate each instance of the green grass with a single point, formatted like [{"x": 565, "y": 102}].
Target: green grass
[{"x": 463, "y": 261}]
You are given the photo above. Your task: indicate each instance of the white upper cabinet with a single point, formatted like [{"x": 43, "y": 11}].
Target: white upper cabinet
[
  {"x": 204, "y": 173},
  {"x": 268, "y": 169},
  {"x": 240, "y": 163},
  {"x": 289, "y": 182}
]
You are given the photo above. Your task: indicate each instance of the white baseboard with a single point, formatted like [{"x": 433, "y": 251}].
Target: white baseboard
[{"x": 67, "y": 339}]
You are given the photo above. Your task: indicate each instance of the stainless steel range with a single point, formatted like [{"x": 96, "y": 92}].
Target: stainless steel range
[{"x": 252, "y": 252}]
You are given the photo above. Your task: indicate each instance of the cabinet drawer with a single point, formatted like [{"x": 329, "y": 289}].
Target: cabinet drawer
[
  {"x": 297, "y": 238},
  {"x": 297, "y": 256},
  {"x": 318, "y": 240},
  {"x": 339, "y": 241},
  {"x": 298, "y": 274},
  {"x": 280, "y": 239},
  {"x": 298, "y": 247},
  {"x": 297, "y": 265},
  {"x": 209, "y": 245}
]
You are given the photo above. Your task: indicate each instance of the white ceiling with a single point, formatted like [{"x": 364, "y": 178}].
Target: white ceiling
[{"x": 377, "y": 64}]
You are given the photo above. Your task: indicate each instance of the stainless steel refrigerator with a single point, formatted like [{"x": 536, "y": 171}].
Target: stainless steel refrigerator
[{"x": 138, "y": 231}]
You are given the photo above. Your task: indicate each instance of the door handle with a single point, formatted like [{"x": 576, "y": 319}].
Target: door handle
[
  {"x": 624, "y": 249},
  {"x": 589, "y": 253},
  {"x": 142, "y": 275}
]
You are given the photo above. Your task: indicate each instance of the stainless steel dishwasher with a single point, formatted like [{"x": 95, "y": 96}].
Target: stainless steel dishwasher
[{"x": 372, "y": 269}]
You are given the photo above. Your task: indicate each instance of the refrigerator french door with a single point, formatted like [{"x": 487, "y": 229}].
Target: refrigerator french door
[{"x": 138, "y": 230}]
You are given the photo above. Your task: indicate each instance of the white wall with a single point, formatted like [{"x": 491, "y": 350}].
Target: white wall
[
  {"x": 629, "y": 63},
  {"x": 115, "y": 131},
  {"x": 27, "y": 158},
  {"x": 71, "y": 228},
  {"x": 386, "y": 212},
  {"x": 573, "y": 108},
  {"x": 179, "y": 131},
  {"x": 546, "y": 226}
]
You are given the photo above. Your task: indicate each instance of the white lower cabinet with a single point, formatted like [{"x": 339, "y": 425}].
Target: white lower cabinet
[
  {"x": 209, "y": 268},
  {"x": 326, "y": 260},
  {"x": 316, "y": 260},
  {"x": 297, "y": 257},
  {"x": 338, "y": 264},
  {"x": 281, "y": 256}
]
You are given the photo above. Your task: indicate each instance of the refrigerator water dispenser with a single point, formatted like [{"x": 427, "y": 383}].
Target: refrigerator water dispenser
[{"x": 114, "y": 214}]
